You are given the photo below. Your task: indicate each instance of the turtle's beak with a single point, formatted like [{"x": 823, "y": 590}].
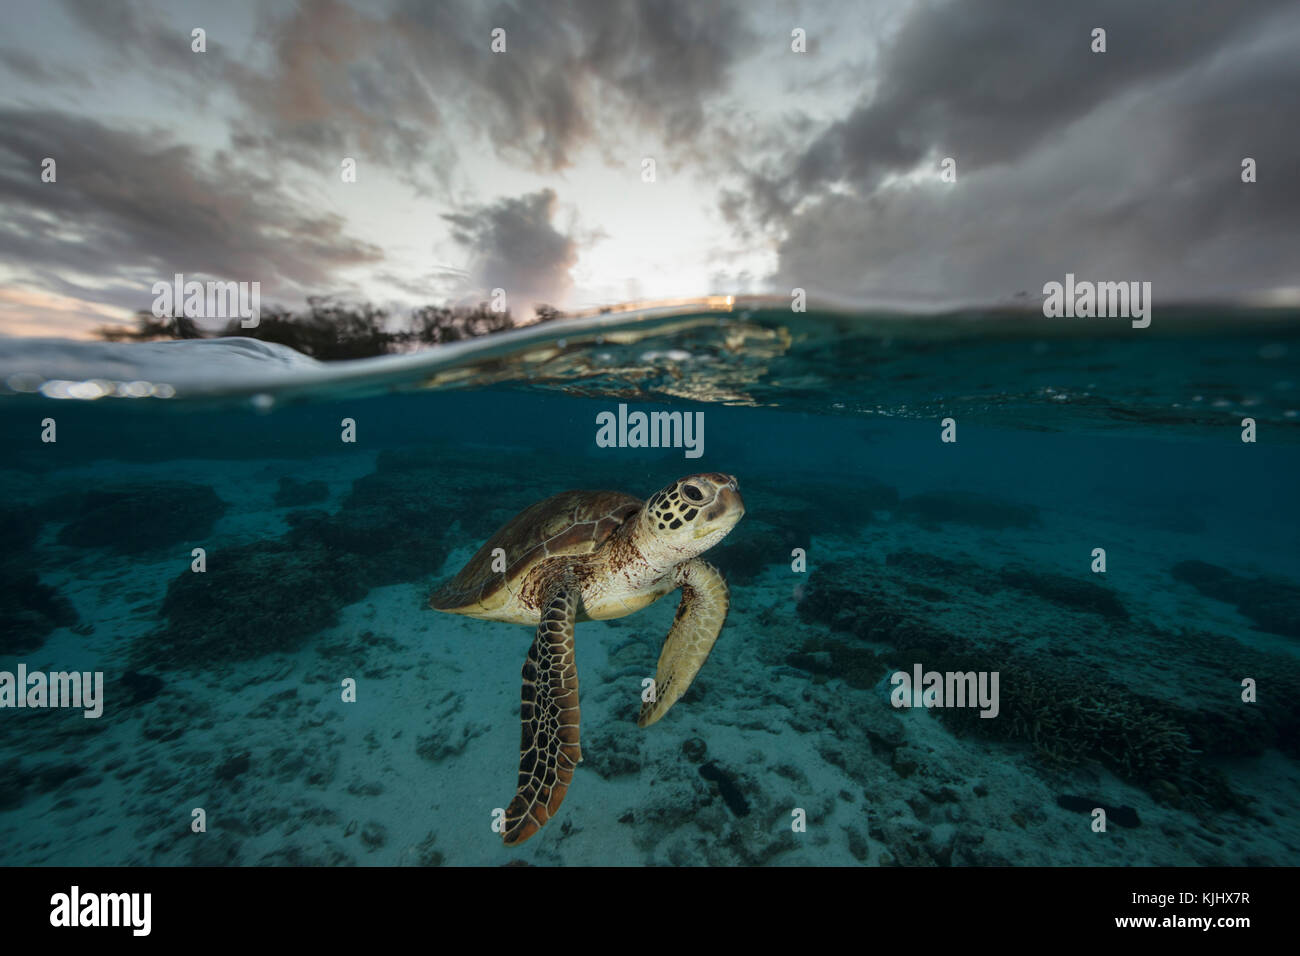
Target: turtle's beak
[
  {"x": 727, "y": 508},
  {"x": 730, "y": 496}
]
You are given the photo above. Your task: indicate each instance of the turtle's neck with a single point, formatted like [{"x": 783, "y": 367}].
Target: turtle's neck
[{"x": 650, "y": 557}]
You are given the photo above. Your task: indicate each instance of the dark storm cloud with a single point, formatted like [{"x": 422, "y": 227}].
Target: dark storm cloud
[
  {"x": 131, "y": 207},
  {"x": 516, "y": 247},
  {"x": 989, "y": 81},
  {"x": 1122, "y": 162},
  {"x": 132, "y": 33},
  {"x": 125, "y": 26},
  {"x": 392, "y": 85},
  {"x": 30, "y": 67},
  {"x": 409, "y": 86},
  {"x": 341, "y": 83}
]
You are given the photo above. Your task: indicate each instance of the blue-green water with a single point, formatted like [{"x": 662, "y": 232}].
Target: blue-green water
[{"x": 869, "y": 545}]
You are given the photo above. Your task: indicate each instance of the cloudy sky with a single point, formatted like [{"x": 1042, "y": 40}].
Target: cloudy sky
[{"x": 523, "y": 169}]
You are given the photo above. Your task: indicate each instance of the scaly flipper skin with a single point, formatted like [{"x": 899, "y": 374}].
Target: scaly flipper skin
[
  {"x": 700, "y": 616},
  {"x": 548, "y": 711}
]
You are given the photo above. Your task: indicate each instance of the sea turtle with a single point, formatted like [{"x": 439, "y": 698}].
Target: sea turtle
[{"x": 595, "y": 555}]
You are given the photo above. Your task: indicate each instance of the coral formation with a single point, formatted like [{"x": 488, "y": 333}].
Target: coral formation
[
  {"x": 1065, "y": 709},
  {"x": 252, "y": 600},
  {"x": 1272, "y": 603},
  {"x": 949, "y": 570},
  {"x": 134, "y": 518},
  {"x": 29, "y": 610},
  {"x": 1071, "y": 592}
]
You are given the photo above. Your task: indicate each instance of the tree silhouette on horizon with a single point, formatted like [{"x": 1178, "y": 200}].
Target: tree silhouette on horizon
[{"x": 332, "y": 331}]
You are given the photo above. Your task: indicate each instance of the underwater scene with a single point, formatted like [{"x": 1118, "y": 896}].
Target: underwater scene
[{"x": 842, "y": 587}]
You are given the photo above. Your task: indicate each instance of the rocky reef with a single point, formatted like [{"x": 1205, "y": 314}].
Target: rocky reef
[
  {"x": 1272, "y": 604},
  {"x": 1070, "y": 707},
  {"x": 29, "y": 608},
  {"x": 134, "y": 518},
  {"x": 252, "y": 600}
]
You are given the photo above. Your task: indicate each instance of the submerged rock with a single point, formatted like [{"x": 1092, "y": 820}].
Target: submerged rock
[
  {"x": 1273, "y": 604},
  {"x": 393, "y": 518},
  {"x": 141, "y": 687},
  {"x": 1064, "y": 710},
  {"x": 374, "y": 835},
  {"x": 142, "y": 517},
  {"x": 233, "y": 767},
  {"x": 727, "y": 786},
  {"x": 949, "y": 571},
  {"x": 19, "y": 528},
  {"x": 13, "y": 784},
  {"x": 29, "y": 610},
  {"x": 1072, "y": 592},
  {"x": 695, "y": 749},
  {"x": 856, "y": 666},
  {"x": 252, "y": 600}
]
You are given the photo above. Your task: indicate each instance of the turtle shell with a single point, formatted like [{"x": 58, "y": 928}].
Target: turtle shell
[{"x": 570, "y": 523}]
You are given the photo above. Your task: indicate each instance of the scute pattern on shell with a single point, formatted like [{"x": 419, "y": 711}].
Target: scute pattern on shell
[{"x": 570, "y": 523}]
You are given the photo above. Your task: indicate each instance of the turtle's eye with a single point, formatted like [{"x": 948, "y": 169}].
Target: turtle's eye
[{"x": 692, "y": 492}]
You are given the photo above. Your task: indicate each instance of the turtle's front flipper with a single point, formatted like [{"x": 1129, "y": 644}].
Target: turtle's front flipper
[
  {"x": 700, "y": 616},
  {"x": 548, "y": 711}
]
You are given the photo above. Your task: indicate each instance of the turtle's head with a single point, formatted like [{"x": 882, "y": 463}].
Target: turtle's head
[{"x": 692, "y": 514}]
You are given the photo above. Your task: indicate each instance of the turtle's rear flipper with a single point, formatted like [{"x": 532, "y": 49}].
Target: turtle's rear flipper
[
  {"x": 700, "y": 616},
  {"x": 548, "y": 711}
]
